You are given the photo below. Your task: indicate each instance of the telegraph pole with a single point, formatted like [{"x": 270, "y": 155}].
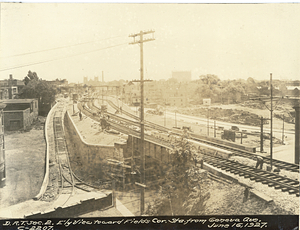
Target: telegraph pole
[
  {"x": 271, "y": 110},
  {"x": 208, "y": 121},
  {"x": 283, "y": 130},
  {"x": 141, "y": 41},
  {"x": 102, "y": 86}
]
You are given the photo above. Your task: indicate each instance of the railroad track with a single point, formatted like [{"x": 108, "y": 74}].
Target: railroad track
[
  {"x": 271, "y": 179},
  {"x": 90, "y": 111},
  {"x": 68, "y": 180},
  {"x": 238, "y": 152}
]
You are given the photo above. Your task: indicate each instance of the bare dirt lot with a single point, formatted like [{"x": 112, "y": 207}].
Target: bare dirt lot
[{"x": 25, "y": 161}]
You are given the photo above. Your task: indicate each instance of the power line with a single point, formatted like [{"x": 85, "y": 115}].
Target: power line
[
  {"x": 61, "y": 47},
  {"x": 41, "y": 62}
]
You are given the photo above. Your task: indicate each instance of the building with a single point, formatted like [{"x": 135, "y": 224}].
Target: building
[
  {"x": 182, "y": 76},
  {"x": 180, "y": 101},
  {"x": 9, "y": 88},
  {"x": 293, "y": 91},
  {"x": 176, "y": 95},
  {"x": 19, "y": 113},
  {"x": 2, "y": 149},
  {"x": 91, "y": 82},
  {"x": 153, "y": 92}
]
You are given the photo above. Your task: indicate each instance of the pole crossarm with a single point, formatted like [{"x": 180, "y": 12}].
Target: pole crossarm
[
  {"x": 142, "y": 40},
  {"x": 141, "y": 81}
]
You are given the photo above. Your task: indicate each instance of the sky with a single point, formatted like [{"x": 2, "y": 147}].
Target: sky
[{"x": 75, "y": 40}]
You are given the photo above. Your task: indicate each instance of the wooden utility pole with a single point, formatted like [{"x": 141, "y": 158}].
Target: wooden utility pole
[
  {"x": 102, "y": 87},
  {"x": 141, "y": 41},
  {"x": 283, "y": 130},
  {"x": 271, "y": 110},
  {"x": 297, "y": 132},
  {"x": 208, "y": 121},
  {"x": 215, "y": 129},
  {"x": 261, "y": 134}
]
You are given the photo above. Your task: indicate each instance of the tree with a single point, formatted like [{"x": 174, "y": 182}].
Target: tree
[
  {"x": 234, "y": 90},
  {"x": 208, "y": 87},
  {"x": 210, "y": 79},
  {"x": 182, "y": 192},
  {"x": 39, "y": 89},
  {"x": 30, "y": 76}
]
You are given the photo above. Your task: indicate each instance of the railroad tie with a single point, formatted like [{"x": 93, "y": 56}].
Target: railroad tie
[
  {"x": 278, "y": 186},
  {"x": 284, "y": 189},
  {"x": 258, "y": 179},
  {"x": 293, "y": 191}
]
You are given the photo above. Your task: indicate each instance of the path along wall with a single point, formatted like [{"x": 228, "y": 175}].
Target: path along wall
[{"x": 86, "y": 159}]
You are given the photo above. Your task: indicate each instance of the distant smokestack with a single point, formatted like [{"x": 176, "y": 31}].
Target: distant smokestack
[{"x": 10, "y": 77}]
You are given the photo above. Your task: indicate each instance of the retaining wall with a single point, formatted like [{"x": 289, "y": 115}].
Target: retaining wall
[
  {"x": 50, "y": 150},
  {"x": 85, "y": 159},
  {"x": 75, "y": 209}
]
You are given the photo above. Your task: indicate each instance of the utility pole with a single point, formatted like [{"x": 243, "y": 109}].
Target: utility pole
[
  {"x": 271, "y": 110},
  {"x": 215, "y": 129},
  {"x": 165, "y": 114},
  {"x": 208, "y": 121},
  {"x": 261, "y": 134},
  {"x": 141, "y": 41},
  {"x": 102, "y": 86},
  {"x": 175, "y": 120},
  {"x": 283, "y": 130},
  {"x": 297, "y": 132}
]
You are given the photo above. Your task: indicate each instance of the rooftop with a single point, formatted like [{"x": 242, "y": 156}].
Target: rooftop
[{"x": 14, "y": 101}]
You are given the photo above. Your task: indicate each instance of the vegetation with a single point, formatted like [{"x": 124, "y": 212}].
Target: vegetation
[
  {"x": 39, "y": 89},
  {"x": 183, "y": 192}
]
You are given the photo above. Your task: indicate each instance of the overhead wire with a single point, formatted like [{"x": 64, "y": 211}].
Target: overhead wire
[
  {"x": 60, "y": 47},
  {"x": 55, "y": 59}
]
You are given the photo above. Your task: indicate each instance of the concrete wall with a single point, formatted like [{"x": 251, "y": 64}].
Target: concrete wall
[
  {"x": 74, "y": 210},
  {"x": 28, "y": 117},
  {"x": 153, "y": 150},
  {"x": 15, "y": 115},
  {"x": 25, "y": 118},
  {"x": 86, "y": 159}
]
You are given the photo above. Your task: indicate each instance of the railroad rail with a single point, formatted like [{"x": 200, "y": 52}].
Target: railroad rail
[
  {"x": 90, "y": 111},
  {"x": 238, "y": 152},
  {"x": 68, "y": 180},
  {"x": 271, "y": 179}
]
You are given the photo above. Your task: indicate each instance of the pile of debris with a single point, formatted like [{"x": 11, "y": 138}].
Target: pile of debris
[{"x": 227, "y": 115}]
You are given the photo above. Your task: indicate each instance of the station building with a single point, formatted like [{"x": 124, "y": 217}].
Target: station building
[{"x": 19, "y": 113}]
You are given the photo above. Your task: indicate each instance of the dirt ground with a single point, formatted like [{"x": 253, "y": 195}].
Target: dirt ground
[{"x": 25, "y": 164}]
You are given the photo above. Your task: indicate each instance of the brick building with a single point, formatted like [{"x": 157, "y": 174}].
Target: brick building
[
  {"x": 19, "y": 113},
  {"x": 9, "y": 88}
]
